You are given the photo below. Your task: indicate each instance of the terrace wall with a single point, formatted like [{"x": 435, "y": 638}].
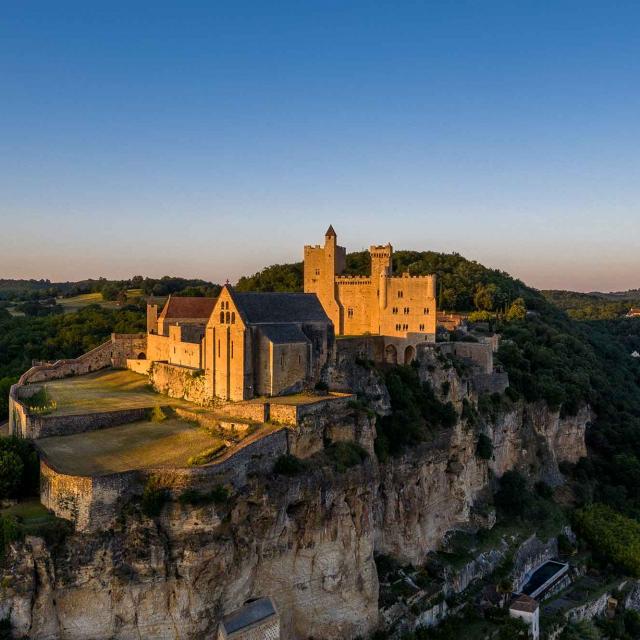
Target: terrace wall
[
  {"x": 55, "y": 425},
  {"x": 180, "y": 382},
  {"x": 92, "y": 503},
  {"x": 113, "y": 353}
]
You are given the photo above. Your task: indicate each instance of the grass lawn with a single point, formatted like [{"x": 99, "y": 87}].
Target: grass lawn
[
  {"x": 106, "y": 390},
  {"x": 299, "y": 398},
  {"x": 29, "y": 511},
  {"x": 138, "y": 445},
  {"x": 76, "y": 303}
]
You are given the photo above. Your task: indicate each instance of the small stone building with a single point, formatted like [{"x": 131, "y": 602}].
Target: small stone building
[
  {"x": 527, "y": 609},
  {"x": 256, "y": 620}
]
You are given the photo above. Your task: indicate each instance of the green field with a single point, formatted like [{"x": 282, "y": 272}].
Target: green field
[
  {"x": 78, "y": 302},
  {"x": 104, "y": 391},
  {"x": 138, "y": 445}
]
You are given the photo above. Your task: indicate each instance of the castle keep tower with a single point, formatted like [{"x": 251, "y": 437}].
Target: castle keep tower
[{"x": 382, "y": 304}]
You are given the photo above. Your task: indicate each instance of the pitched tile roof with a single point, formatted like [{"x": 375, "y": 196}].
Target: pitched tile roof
[
  {"x": 524, "y": 603},
  {"x": 283, "y": 333},
  {"x": 188, "y": 307},
  {"x": 270, "y": 308}
]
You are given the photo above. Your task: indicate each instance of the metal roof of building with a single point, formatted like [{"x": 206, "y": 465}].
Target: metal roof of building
[
  {"x": 269, "y": 308},
  {"x": 248, "y": 614},
  {"x": 284, "y": 333}
]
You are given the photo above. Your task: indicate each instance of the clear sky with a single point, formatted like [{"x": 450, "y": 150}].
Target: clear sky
[{"x": 211, "y": 139}]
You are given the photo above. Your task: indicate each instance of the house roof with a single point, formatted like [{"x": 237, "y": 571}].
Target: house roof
[
  {"x": 249, "y": 614},
  {"x": 271, "y": 308},
  {"x": 188, "y": 307},
  {"x": 524, "y": 603},
  {"x": 283, "y": 333}
]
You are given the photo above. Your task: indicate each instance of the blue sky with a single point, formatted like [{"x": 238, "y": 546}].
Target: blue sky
[{"x": 212, "y": 139}]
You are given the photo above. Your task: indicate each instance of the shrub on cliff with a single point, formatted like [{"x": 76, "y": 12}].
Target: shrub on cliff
[
  {"x": 153, "y": 498},
  {"x": 484, "y": 448},
  {"x": 19, "y": 468},
  {"x": 415, "y": 412},
  {"x": 611, "y": 535},
  {"x": 344, "y": 455},
  {"x": 11, "y": 469},
  {"x": 513, "y": 496},
  {"x": 288, "y": 465}
]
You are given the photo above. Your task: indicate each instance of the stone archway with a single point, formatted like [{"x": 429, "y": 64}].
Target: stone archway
[
  {"x": 391, "y": 354},
  {"x": 142, "y": 356},
  {"x": 409, "y": 354}
]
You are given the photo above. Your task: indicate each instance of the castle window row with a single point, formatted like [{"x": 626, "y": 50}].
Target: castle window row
[{"x": 402, "y": 327}]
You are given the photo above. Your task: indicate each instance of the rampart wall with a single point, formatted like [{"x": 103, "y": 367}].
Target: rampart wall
[
  {"x": 176, "y": 381},
  {"x": 92, "y": 503},
  {"x": 39, "y": 426},
  {"x": 113, "y": 353},
  {"x": 480, "y": 353}
]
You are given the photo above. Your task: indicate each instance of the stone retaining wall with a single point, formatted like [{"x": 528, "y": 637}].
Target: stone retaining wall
[
  {"x": 92, "y": 503},
  {"x": 177, "y": 381},
  {"x": 55, "y": 425},
  {"x": 113, "y": 353}
]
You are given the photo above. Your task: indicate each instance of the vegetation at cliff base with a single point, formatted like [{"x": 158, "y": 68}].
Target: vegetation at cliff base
[
  {"x": 416, "y": 412},
  {"x": 611, "y": 535}
]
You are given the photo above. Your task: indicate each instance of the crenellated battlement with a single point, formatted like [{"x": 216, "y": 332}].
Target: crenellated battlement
[
  {"x": 344, "y": 280},
  {"x": 408, "y": 276},
  {"x": 377, "y": 304}
]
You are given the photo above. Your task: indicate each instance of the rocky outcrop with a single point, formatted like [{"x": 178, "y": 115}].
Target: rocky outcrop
[{"x": 307, "y": 541}]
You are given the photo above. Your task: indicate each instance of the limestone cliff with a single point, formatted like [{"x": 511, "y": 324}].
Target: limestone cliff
[{"x": 307, "y": 541}]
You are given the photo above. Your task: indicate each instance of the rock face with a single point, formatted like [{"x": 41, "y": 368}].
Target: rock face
[{"x": 307, "y": 541}]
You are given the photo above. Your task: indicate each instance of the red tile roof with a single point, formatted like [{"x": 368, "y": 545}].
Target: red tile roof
[
  {"x": 188, "y": 307},
  {"x": 524, "y": 603}
]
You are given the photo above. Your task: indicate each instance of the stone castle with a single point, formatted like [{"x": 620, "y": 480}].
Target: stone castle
[
  {"x": 378, "y": 304},
  {"x": 268, "y": 344}
]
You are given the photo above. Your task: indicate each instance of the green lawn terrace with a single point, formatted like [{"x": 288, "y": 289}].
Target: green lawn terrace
[
  {"x": 169, "y": 444},
  {"x": 106, "y": 390},
  {"x": 173, "y": 434}
]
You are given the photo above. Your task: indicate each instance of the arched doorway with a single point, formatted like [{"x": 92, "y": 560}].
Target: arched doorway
[
  {"x": 409, "y": 352},
  {"x": 391, "y": 354},
  {"x": 142, "y": 356}
]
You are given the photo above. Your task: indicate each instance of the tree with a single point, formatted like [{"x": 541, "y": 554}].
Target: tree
[
  {"x": 517, "y": 310},
  {"x": 110, "y": 291},
  {"x": 11, "y": 469},
  {"x": 485, "y": 297},
  {"x": 513, "y": 495}
]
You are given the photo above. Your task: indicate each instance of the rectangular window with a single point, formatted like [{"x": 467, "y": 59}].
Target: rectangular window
[
  {"x": 232, "y": 349},
  {"x": 350, "y": 313},
  {"x": 218, "y": 348},
  {"x": 282, "y": 360},
  {"x": 317, "y": 272},
  {"x": 399, "y": 294}
]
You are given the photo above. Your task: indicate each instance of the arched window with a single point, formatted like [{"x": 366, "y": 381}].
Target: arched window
[
  {"x": 222, "y": 317},
  {"x": 228, "y": 318},
  {"x": 233, "y": 317}
]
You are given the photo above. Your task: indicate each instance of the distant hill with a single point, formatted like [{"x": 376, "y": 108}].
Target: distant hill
[
  {"x": 595, "y": 305},
  {"x": 30, "y": 290}
]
